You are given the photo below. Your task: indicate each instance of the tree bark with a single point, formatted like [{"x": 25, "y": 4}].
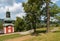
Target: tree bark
[
  {"x": 48, "y": 16},
  {"x": 34, "y": 23}
]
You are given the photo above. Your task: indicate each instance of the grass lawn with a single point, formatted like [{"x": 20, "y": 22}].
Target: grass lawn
[
  {"x": 2, "y": 38},
  {"x": 55, "y": 36},
  {"x": 52, "y": 36}
]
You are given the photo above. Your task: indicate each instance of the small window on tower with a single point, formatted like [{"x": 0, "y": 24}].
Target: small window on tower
[{"x": 8, "y": 14}]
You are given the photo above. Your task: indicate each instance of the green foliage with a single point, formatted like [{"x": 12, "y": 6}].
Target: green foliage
[
  {"x": 57, "y": 17},
  {"x": 19, "y": 24},
  {"x": 54, "y": 9},
  {"x": 33, "y": 10},
  {"x": 1, "y": 25}
]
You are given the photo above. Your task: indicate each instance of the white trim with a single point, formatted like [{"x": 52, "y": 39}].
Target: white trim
[
  {"x": 13, "y": 29},
  {"x": 5, "y": 30}
]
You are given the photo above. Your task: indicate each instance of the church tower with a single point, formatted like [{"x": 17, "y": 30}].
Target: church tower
[
  {"x": 8, "y": 23},
  {"x": 8, "y": 14}
]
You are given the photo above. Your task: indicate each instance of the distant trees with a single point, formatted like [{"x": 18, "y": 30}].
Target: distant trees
[
  {"x": 1, "y": 25},
  {"x": 57, "y": 17}
]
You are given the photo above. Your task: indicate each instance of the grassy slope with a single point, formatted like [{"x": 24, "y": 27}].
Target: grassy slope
[
  {"x": 2, "y": 38},
  {"x": 44, "y": 37},
  {"x": 55, "y": 36}
]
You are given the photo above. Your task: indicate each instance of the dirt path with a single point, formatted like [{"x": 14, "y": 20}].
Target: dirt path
[
  {"x": 9, "y": 34},
  {"x": 20, "y": 38}
]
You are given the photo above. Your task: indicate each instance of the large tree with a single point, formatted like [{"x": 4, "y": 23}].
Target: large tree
[
  {"x": 33, "y": 10},
  {"x": 49, "y": 11}
]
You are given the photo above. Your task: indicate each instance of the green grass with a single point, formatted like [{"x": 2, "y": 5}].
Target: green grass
[
  {"x": 55, "y": 36},
  {"x": 43, "y": 30},
  {"x": 52, "y": 36},
  {"x": 2, "y": 38}
]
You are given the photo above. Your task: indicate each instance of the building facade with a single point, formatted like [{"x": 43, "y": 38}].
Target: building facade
[{"x": 8, "y": 26}]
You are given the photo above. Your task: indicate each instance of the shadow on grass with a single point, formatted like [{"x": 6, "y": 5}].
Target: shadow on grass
[
  {"x": 41, "y": 31},
  {"x": 38, "y": 32},
  {"x": 56, "y": 32}
]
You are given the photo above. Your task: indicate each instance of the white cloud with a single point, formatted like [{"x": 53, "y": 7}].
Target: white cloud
[
  {"x": 21, "y": 15},
  {"x": 54, "y": 1},
  {"x": 15, "y": 7},
  {"x": 16, "y": 10}
]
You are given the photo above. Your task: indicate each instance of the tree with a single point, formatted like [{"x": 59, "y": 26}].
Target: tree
[
  {"x": 57, "y": 17},
  {"x": 54, "y": 9},
  {"x": 33, "y": 10},
  {"x": 19, "y": 24},
  {"x": 50, "y": 11},
  {"x": 48, "y": 15},
  {"x": 1, "y": 25}
]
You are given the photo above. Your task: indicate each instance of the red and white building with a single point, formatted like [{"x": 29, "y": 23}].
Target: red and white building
[{"x": 8, "y": 26}]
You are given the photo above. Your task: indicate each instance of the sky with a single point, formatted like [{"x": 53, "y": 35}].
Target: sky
[{"x": 15, "y": 8}]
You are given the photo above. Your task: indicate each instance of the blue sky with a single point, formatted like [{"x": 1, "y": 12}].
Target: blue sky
[
  {"x": 58, "y": 3},
  {"x": 15, "y": 7}
]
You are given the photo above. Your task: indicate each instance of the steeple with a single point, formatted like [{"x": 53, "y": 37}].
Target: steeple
[
  {"x": 8, "y": 23},
  {"x": 8, "y": 13}
]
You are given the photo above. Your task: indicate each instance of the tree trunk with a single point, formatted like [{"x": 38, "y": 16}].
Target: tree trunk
[
  {"x": 34, "y": 27},
  {"x": 48, "y": 16},
  {"x": 34, "y": 23}
]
